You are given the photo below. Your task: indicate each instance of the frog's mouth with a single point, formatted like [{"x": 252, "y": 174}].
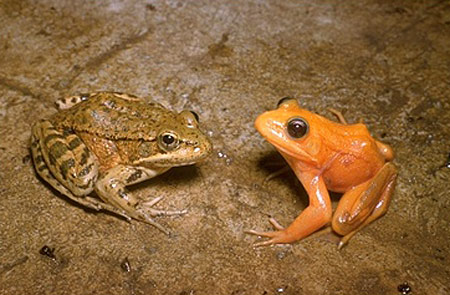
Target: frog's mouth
[{"x": 187, "y": 154}]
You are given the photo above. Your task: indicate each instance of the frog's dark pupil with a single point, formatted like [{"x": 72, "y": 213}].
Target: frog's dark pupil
[
  {"x": 297, "y": 127},
  {"x": 168, "y": 139}
]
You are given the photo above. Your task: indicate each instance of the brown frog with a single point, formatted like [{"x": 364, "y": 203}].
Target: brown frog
[{"x": 105, "y": 141}]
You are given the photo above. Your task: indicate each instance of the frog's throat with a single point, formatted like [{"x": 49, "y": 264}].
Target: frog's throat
[
  {"x": 168, "y": 161},
  {"x": 299, "y": 154}
]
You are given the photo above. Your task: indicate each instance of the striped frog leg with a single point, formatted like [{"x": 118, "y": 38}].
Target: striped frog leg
[
  {"x": 69, "y": 101},
  {"x": 64, "y": 162}
]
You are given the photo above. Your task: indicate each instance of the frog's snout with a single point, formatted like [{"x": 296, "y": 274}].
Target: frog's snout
[
  {"x": 261, "y": 122},
  {"x": 267, "y": 123},
  {"x": 202, "y": 148},
  {"x": 207, "y": 146}
]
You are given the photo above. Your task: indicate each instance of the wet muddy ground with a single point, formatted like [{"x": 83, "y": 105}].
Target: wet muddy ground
[{"x": 228, "y": 61}]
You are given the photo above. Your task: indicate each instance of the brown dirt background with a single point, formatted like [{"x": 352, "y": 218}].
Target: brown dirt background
[{"x": 387, "y": 62}]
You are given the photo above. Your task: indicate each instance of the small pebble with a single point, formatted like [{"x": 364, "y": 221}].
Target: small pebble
[
  {"x": 125, "y": 265},
  {"x": 404, "y": 288},
  {"x": 47, "y": 251}
]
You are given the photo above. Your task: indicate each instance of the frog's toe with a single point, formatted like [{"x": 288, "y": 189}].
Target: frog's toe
[
  {"x": 257, "y": 233},
  {"x": 144, "y": 217},
  {"x": 344, "y": 240},
  {"x": 276, "y": 224},
  {"x": 264, "y": 243},
  {"x": 276, "y": 237},
  {"x": 147, "y": 207},
  {"x": 156, "y": 212}
]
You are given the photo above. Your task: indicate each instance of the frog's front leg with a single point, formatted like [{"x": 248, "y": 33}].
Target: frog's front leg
[
  {"x": 315, "y": 216},
  {"x": 111, "y": 188},
  {"x": 364, "y": 203}
]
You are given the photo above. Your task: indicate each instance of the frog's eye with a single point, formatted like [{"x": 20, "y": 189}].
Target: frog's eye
[
  {"x": 283, "y": 100},
  {"x": 297, "y": 127},
  {"x": 168, "y": 141}
]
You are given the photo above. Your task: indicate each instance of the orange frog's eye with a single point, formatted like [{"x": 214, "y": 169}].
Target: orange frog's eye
[
  {"x": 297, "y": 127},
  {"x": 283, "y": 100}
]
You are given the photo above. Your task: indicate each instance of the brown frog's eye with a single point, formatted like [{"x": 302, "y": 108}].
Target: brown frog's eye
[
  {"x": 283, "y": 100},
  {"x": 297, "y": 127},
  {"x": 168, "y": 141}
]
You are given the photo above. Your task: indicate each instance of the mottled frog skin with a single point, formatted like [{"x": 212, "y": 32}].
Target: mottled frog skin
[{"x": 105, "y": 141}]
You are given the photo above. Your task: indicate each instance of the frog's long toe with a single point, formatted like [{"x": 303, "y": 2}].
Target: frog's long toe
[
  {"x": 276, "y": 237},
  {"x": 143, "y": 216},
  {"x": 276, "y": 224},
  {"x": 156, "y": 212},
  {"x": 147, "y": 206}
]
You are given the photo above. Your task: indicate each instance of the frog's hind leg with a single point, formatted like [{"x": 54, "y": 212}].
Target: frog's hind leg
[
  {"x": 364, "y": 203},
  {"x": 128, "y": 97},
  {"x": 44, "y": 172},
  {"x": 70, "y": 101},
  {"x": 44, "y": 142},
  {"x": 67, "y": 158}
]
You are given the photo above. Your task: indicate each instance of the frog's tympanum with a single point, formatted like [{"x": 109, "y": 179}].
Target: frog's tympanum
[
  {"x": 329, "y": 156},
  {"x": 106, "y": 141}
]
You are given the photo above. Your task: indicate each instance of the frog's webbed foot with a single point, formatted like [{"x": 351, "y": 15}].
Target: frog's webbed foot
[
  {"x": 144, "y": 212},
  {"x": 276, "y": 237}
]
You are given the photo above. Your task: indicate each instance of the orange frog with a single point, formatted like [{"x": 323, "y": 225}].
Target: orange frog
[{"x": 329, "y": 156}]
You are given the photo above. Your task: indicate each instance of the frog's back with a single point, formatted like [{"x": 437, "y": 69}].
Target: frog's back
[{"x": 109, "y": 115}]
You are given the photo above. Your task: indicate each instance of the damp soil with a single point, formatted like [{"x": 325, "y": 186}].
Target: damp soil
[{"x": 385, "y": 62}]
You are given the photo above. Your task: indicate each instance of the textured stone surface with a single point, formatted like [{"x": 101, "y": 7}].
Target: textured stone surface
[{"x": 229, "y": 61}]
